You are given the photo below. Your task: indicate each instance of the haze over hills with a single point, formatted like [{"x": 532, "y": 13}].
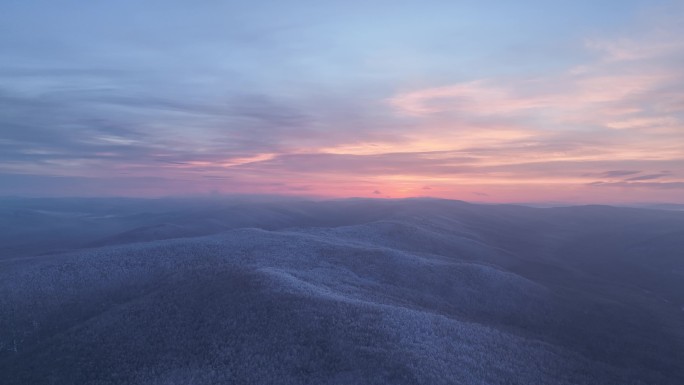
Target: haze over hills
[
  {"x": 258, "y": 121},
  {"x": 414, "y": 291}
]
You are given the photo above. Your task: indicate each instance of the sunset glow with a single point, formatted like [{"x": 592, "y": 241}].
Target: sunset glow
[{"x": 454, "y": 100}]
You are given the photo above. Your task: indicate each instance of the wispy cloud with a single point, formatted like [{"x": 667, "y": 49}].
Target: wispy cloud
[
  {"x": 616, "y": 173},
  {"x": 642, "y": 185},
  {"x": 647, "y": 177}
]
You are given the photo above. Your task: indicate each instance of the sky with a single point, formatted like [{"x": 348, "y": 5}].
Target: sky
[{"x": 484, "y": 101}]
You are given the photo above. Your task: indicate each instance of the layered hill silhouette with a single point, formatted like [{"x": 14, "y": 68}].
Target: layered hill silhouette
[{"x": 416, "y": 291}]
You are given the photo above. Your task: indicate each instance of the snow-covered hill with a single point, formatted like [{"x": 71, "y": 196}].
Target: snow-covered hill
[{"x": 342, "y": 292}]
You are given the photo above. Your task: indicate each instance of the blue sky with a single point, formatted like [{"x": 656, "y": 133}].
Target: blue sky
[{"x": 477, "y": 100}]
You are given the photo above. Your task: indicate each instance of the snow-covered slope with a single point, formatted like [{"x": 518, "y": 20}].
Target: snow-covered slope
[{"x": 362, "y": 292}]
